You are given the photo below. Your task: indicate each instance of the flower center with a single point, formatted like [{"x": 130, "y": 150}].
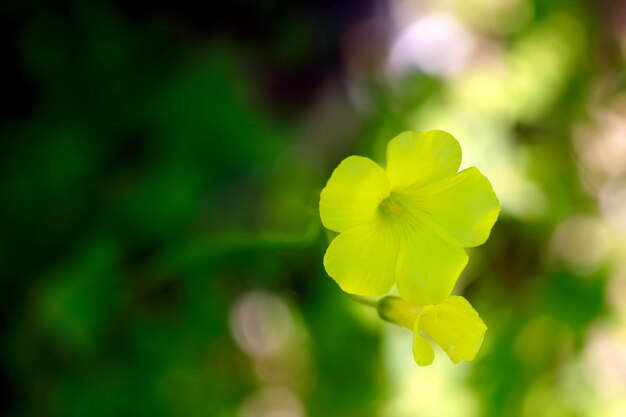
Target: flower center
[{"x": 388, "y": 206}]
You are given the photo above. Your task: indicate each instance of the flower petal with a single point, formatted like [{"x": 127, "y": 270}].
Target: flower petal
[
  {"x": 462, "y": 209},
  {"x": 455, "y": 326},
  {"x": 423, "y": 352},
  {"x": 428, "y": 267},
  {"x": 363, "y": 259},
  {"x": 353, "y": 193},
  {"x": 417, "y": 158}
]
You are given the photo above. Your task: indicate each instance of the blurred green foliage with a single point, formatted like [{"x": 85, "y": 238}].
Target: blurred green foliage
[{"x": 161, "y": 250}]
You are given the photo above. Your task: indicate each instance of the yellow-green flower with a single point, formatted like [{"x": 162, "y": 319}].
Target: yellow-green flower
[
  {"x": 453, "y": 324},
  {"x": 408, "y": 223}
]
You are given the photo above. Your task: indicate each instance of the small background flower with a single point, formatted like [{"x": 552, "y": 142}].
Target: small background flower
[{"x": 453, "y": 324}]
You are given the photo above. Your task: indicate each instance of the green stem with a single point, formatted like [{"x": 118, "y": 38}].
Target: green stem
[
  {"x": 364, "y": 301},
  {"x": 392, "y": 309}
]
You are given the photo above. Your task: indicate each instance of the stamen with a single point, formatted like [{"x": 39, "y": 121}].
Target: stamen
[{"x": 388, "y": 206}]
